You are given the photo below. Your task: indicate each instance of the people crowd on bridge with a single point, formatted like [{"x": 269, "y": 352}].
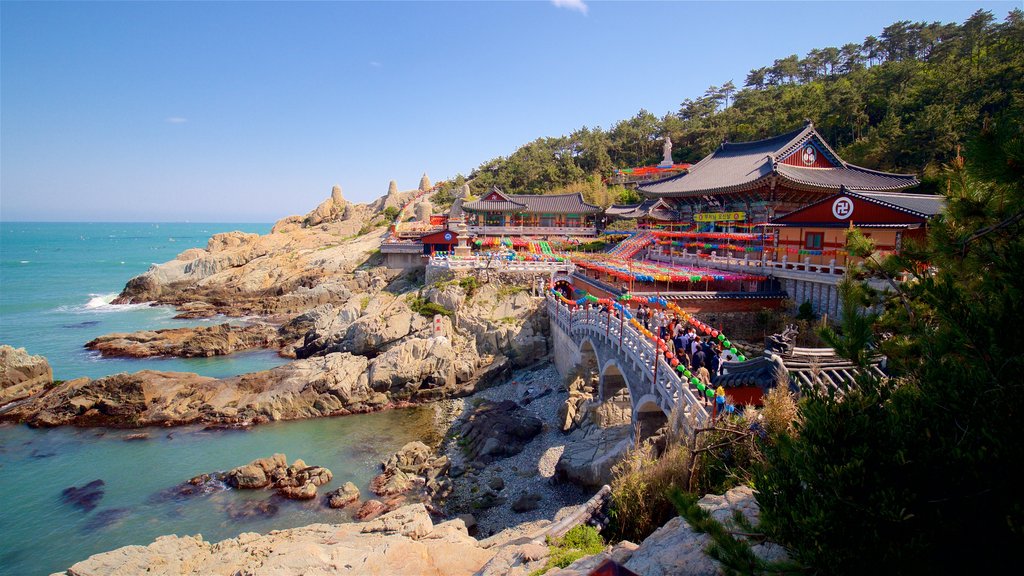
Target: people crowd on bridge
[{"x": 702, "y": 356}]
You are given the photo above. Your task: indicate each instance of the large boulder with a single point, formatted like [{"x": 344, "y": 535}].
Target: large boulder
[
  {"x": 326, "y": 326},
  {"x": 591, "y": 451},
  {"x": 496, "y": 430},
  {"x": 257, "y": 473},
  {"x": 21, "y": 374},
  {"x": 425, "y": 183},
  {"x": 373, "y": 331},
  {"x": 296, "y": 482},
  {"x": 329, "y": 210},
  {"x": 343, "y": 497},
  {"x": 413, "y": 364}
]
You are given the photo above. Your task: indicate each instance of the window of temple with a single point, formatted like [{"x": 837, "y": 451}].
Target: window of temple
[{"x": 814, "y": 240}]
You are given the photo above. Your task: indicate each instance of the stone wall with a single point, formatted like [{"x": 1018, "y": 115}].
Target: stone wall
[
  {"x": 563, "y": 350},
  {"x": 823, "y": 296}
]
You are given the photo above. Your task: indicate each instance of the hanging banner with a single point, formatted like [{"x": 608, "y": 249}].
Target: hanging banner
[{"x": 719, "y": 216}]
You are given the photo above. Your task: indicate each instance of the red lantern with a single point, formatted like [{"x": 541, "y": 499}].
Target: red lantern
[
  {"x": 714, "y": 333},
  {"x": 674, "y": 362}
]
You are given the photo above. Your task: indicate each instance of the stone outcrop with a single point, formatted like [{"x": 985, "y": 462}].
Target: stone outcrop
[
  {"x": 422, "y": 212},
  {"x": 200, "y": 341},
  {"x": 330, "y": 210},
  {"x": 676, "y": 548},
  {"x": 404, "y": 541},
  {"x": 21, "y": 374},
  {"x": 335, "y": 384},
  {"x": 591, "y": 451},
  {"x": 425, "y": 183},
  {"x": 496, "y": 430},
  {"x": 413, "y": 467},
  {"x": 290, "y": 270},
  {"x": 297, "y": 482},
  {"x": 501, "y": 316},
  {"x": 343, "y": 497}
]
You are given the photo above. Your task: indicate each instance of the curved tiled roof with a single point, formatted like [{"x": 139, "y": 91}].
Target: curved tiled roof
[
  {"x": 848, "y": 175},
  {"x": 648, "y": 208},
  {"x": 534, "y": 204},
  {"x": 740, "y": 166}
]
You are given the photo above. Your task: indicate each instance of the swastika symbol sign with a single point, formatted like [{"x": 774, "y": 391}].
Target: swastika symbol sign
[{"x": 842, "y": 208}]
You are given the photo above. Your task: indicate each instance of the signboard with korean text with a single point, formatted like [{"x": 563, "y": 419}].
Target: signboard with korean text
[{"x": 719, "y": 216}]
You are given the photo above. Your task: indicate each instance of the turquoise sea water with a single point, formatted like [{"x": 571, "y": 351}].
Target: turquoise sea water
[{"x": 56, "y": 282}]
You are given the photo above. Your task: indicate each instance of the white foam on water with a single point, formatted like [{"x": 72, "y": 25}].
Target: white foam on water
[
  {"x": 101, "y": 303},
  {"x": 24, "y": 261}
]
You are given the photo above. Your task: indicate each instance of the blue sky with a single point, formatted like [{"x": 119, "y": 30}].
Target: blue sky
[{"x": 251, "y": 111}]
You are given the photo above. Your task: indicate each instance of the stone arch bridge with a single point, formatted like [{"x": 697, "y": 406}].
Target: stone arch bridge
[{"x": 624, "y": 360}]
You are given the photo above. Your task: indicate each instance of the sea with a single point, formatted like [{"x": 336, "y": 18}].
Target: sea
[{"x": 57, "y": 282}]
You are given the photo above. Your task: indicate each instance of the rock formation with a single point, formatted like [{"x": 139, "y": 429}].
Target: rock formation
[
  {"x": 496, "y": 430},
  {"x": 422, "y": 212},
  {"x": 22, "y": 375},
  {"x": 201, "y": 341},
  {"x": 676, "y": 548},
  {"x": 413, "y": 467},
  {"x": 404, "y": 541},
  {"x": 330, "y": 210},
  {"x": 425, "y": 183},
  {"x": 343, "y": 497},
  {"x": 296, "y": 482}
]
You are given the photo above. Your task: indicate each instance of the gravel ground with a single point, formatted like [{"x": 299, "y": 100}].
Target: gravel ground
[{"x": 530, "y": 471}]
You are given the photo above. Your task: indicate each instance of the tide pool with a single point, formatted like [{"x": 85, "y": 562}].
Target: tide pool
[
  {"x": 56, "y": 284},
  {"x": 41, "y": 534}
]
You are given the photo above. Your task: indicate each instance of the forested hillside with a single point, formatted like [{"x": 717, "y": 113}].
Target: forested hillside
[{"x": 902, "y": 101}]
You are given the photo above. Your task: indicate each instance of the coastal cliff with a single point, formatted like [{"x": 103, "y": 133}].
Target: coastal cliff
[{"x": 364, "y": 337}]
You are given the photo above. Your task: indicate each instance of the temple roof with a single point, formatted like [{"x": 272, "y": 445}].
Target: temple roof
[
  {"x": 498, "y": 201},
  {"x": 910, "y": 209},
  {"x": 655, "y": 208},
  {"x": 744, "y": 165},
  {"x": 803, "y": 367}
]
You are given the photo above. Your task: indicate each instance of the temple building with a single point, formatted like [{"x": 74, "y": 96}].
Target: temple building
[
  {"x": 651, "y": 214},
  {"x": 816, "y": 233},
  {"x": 500, "y": 214},
  {"x": 753, "y": 182}
]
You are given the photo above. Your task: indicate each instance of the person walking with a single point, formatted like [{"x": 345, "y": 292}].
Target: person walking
[
  {"x": 714, "y": 361},
  {"x": 698, "y": 360},
  {"x": 705, "y": 378}
]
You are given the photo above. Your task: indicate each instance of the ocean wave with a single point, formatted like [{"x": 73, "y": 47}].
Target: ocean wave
[{"x": 100, "y": 303}]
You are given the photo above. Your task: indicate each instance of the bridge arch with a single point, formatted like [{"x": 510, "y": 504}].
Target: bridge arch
[
  {"x": 588, "y": 360},
  {"x": 649, "y": 416}
]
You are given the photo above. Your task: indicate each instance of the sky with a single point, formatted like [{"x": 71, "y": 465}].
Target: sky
[{"x": 249, "y": 112}]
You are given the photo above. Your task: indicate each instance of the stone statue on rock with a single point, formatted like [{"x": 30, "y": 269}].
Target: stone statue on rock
[{"x": 330, "y": 210}]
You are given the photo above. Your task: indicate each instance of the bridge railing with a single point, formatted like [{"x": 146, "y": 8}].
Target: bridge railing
[{"x": 634, "y": 349}]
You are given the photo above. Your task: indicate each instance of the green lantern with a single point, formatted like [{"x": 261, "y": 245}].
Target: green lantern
[
  {"x": 701, "y": 387},
  {"x": 727, "y": 344},
  {"x": 742, "y": 358},
  {"x": 686, "y": 372},
  {"x": 694, "y": 381},
  {"x": 734, "y": 350},
  {"x": 721, "y": 337},
  {"x": 680, "y": 368},
  {"x": 710, "y": 393}
]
